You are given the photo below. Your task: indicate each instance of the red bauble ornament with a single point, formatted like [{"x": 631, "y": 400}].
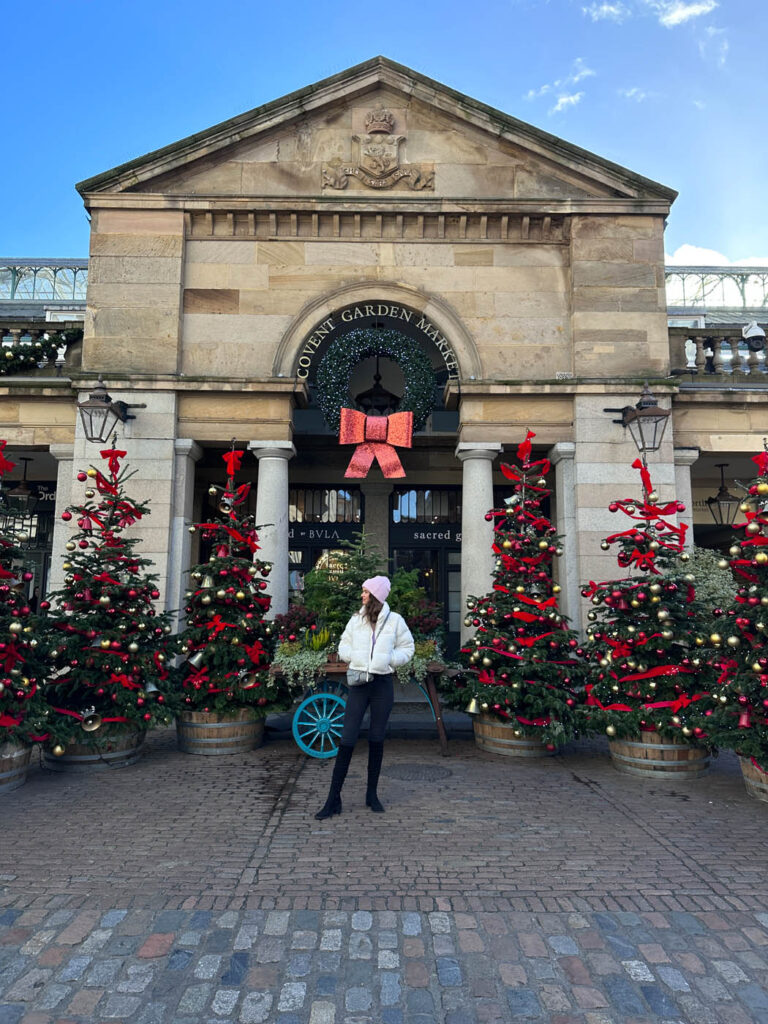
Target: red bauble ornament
[
  {"x": 66, "y": 516},
  {"x": 82, "y": 477}
]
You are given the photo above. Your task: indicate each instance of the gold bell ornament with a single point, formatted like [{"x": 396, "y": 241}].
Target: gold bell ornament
[{"x": 473, "y": 708}]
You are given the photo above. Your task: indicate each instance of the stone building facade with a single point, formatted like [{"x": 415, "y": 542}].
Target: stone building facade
[{"x": 528, "y": 272}]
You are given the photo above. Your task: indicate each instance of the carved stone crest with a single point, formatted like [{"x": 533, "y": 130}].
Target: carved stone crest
[{"x": 378, "y": 159}]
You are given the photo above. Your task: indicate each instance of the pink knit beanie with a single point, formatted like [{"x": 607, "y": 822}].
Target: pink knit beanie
[{"x": 379, "y": 586}]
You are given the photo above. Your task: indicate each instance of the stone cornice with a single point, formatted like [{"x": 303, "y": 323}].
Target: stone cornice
[{"x": 376, "y": 204}]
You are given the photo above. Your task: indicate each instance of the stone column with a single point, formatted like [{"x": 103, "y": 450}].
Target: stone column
[
  {"x": 477, "y": 559},
  {"x": 562, "y": 455},
  {"x": 377, "y": 517},
  {"x": 186, "y": 454},
  {"x": 272, "y": 515},
  {"x": 64, "y": 455},
  {"x": 684, "y": 459}
]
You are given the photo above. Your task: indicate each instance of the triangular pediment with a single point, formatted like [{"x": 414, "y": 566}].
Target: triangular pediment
[{"x": 329, "y": 139}]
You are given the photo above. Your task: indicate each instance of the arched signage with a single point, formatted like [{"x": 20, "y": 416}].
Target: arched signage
[{"x": 386, "y": 314}]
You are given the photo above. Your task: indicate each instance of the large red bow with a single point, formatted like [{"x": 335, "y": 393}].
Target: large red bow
[{"x": 375, "y": 437}]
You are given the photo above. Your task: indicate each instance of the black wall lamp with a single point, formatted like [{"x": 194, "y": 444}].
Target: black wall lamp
[
  {"x": 100, "y": 414},
  {"x": 645, "y": 421},
  {"x": 723, "y": 505}
]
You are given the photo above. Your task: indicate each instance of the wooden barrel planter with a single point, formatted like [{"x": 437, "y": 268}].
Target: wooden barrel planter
[
  {"x": 214, "y": 733},
  {"x": 118, "y": 750},
  {"x": 755, "y": 779},
  {"x": 14, "y": 762},
  {"x": 651, "y": 757},
  {"x": 498, "y": 737}
]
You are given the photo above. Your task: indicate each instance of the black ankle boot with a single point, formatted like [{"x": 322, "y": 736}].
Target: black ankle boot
[
  {"x": 333, "y": 804},
  {"x": 375, "y": 755}
]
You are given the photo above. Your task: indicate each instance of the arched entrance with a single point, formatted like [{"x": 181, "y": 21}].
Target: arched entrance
[{"x": 379, "y": 357}]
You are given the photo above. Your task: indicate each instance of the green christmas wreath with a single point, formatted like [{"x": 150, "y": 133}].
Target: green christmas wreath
[
  {"x": 28, "y": 355},
  {"x": 344, "y": 353}
]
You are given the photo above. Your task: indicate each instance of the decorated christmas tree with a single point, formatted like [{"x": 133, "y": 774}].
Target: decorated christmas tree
[
  {"x": 522, "y": 661},
  {"x": 23, "y": 664},
  {"x": 740, "y": 718},
  {"x": 226, "y": 641},
  {"x": 644, "y": 646},
  {"x": 107, "y": 640}
]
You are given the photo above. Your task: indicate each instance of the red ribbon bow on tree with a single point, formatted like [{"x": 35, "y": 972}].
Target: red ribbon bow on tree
[
  {"x": 375, "y": 437},
  {"x": 5, "y": 465}
]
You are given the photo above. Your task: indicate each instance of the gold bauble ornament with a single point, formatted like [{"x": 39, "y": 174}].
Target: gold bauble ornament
[
  {"x": 57, "y": 750},
  {"x": 733, "y": 641},
  {"x": 543, "y": 545},
  {"x": 752, "y": 528},
  {"x": 105, "y": 644},
  {"x": 734, "y": 550},
  {"x": 685, "y": 557},
  {"x": 105, "y": 599},
  {"x": 653, "y": 497},
  {"x": 655, "y": 588},
  {"x": 484, "y": 707},
  {"x": 192, "y": 529},
  {"x": 15, "y": 627},
  {"x": 205, "y": 599},
  {"x": 91, "y": 473},
  {"x": 240, "y": 595},
  {"x": 486, "y": 661},
  {"x": 604, "y": 545},
  {"x": 675, "y": 720},
  {"x": 70, "y": 546},
  {"x": 221, "y": 594},
  {"x": 610, "y": 730},
  {"x": 757, "y": 667},
  {"x": 761, "y": 558},
  {"x": 762, "y": 487},
  {"x": 723, "y": 563},
  {"x": 556, "y": 588},
  {"x": 634, "y": 603},
  {"x": 716, "y": 639},
  {"x": 90, "y": 493},
  {"x": 506, "y": 544},
  {"x": 66, "y": 566},
  {"x": 133, "y": 647},
  {"x": 686, "y": 731},
  {"x": 667, "y": 634}
]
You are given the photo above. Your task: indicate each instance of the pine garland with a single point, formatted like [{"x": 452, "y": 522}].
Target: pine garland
[
  {"x": 344, "y": 353},
  {"x": 28, "y": 355}
]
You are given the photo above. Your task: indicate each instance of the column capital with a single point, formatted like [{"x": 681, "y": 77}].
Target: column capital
[
  {"x": 561, "y": 451},
  {"x": 186, "y": 446},
  {"x": 479, "y": 450},
  {"x": 62, "y": 452},
  {"x": 272, "y": 449},
  {"x": 686, "y": 456}
]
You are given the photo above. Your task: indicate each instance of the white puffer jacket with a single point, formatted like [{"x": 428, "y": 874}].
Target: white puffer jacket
[{"x": 393, "y": 647}]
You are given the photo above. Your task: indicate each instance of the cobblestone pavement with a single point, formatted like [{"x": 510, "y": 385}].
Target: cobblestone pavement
[{"x": 191, "y": 889}]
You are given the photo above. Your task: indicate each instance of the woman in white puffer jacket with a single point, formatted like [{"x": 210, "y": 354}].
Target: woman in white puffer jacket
[{"x": 376, "y": 640}]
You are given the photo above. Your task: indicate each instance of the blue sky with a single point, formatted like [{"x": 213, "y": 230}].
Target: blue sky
[{"x": 673, "y": 89}]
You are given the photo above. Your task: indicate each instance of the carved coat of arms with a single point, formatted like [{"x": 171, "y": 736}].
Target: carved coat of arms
[{"x": 378, "y": 159}]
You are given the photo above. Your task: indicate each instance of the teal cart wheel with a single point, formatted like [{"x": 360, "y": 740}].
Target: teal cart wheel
[{"x": 317, "y": 724}]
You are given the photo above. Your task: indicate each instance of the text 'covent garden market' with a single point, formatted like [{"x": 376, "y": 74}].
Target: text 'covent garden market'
[{"x": 373, "y": 242}]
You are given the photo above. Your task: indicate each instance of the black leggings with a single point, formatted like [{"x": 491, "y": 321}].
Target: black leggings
[{"x": 379, "y": 693}]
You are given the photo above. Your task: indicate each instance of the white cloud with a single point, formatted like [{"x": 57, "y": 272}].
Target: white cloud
[
  {"x": 698, "y": 256},
  {"x": 565, "y": 101},
  {"x": 607, "y": 11},
  {"x": 578, "y": 72},
  {"x": 638, "y": 95},
  {"x": 714, "y": 45},
  {"x": 675, "y": 12}
]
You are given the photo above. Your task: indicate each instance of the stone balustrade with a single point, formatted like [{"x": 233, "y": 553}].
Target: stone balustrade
[{"x": 698, "y": 351}]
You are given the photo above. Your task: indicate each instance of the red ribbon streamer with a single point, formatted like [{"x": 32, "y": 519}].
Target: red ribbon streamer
[{"x": 375, "y": 437}]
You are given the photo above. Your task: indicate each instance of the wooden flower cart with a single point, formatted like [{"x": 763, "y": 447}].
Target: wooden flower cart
[{"x": 317, "y": 721}]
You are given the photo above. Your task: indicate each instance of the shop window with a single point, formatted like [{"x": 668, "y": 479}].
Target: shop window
[
  {"x": 426, "y": 505},
  {"x": 325, "y": 505}
]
